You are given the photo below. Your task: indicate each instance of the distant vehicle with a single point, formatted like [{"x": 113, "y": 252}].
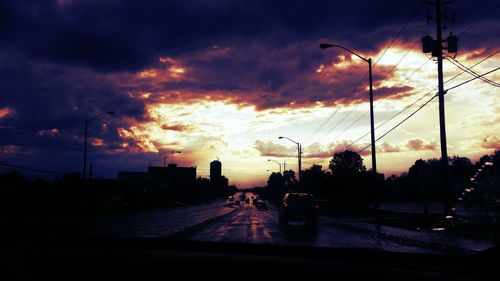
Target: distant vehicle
[
  {"x": 299, "y": 209},
  {"x": 261, "y": 205},
  {"x": 258, "y": 201}
]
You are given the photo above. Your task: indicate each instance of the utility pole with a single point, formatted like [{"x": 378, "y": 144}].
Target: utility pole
[
  {"x": 372, "y": 122},
  {"x": 300, "y": 160},
  {"x": 442, "y": 122},
  {"x": 436, "y": 48}
]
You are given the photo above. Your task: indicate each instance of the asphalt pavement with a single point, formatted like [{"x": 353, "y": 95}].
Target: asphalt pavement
[{"x": 223, "y": 222}]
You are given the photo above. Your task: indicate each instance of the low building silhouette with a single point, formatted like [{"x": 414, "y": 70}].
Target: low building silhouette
[
  {"x": 170, "y": 176},
  {"x": 160, "y": 184}
]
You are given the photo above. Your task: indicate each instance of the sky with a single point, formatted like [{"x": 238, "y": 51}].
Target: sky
[{"x": 224, "y": 79}]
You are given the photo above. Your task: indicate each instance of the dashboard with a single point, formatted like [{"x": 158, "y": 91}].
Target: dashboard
[{"x": 91, "y": 258}]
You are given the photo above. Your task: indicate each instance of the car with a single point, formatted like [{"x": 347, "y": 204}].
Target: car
[
  {"x": 261, "y": 205},
  {"x": 299, "y": 209}
]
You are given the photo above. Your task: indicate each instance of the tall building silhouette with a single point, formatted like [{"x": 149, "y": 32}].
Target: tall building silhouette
[
  {"x": 216, "y": 177},
  {"x": 215, "y": 170}
]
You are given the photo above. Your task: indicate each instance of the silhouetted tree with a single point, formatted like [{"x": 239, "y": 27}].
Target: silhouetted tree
[
  {"x": 275, "y": 187},
  {"x": 461, "y": 170},
  {"x": 290, "y": 179},
  {"x": 314, "y": 180},
  {"x": 346, "y": 162}
]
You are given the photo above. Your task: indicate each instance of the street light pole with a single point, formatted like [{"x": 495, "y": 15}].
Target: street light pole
[
  {"x": 85, "y": 151},
  {"x": 372, "y": 126},
  {"x": 172, "y": 156},
  {"x": 276, "y": 163},
  {"x": 299, "y": 155},
  {"x": 87, "y": 122}
]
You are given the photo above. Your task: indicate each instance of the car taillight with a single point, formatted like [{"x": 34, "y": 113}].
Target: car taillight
[{"x": 285, "y": 204}]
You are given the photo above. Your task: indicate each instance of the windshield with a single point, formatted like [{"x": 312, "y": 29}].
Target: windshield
[{"x": 193, "y": 120}]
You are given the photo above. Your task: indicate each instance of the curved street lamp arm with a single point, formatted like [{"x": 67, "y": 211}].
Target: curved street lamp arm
[
  {"x": 274, "y": 161},
  {"x": 289, "y": 140},
  {"x": 324, "y": 46},
  {"x": 99, "y": 115}
]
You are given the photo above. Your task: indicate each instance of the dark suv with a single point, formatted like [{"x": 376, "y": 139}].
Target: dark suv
[{"x": 299, "y": 209}]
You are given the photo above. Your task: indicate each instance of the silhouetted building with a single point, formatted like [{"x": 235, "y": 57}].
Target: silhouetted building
[
  {"x": 216, "y": 177},
  {"x": 223, "y": 182},
  {"x": 215, "y": 170},
  {"x": 167, "y": 179},
  {"x": 174, "y": 174}
]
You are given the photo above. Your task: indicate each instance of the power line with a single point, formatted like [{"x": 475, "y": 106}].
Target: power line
[
  {"x": 390, "y": 71},
  {"x": 357, "y": 85},
  {"x": 31, "y": 169},
  {"x": 323, "y": 124},
  {"x": 338, "y": 123},
  {"x": 333, "y": 113},
  {"x": 401, "y": 122},
  {"x": 399, "y": 33},
  {"x": 470, "y": 80},
  {"x": 423, "y": 105},
  {"x": 422, "y": 97},
  {"x": 471, "y": 72}
]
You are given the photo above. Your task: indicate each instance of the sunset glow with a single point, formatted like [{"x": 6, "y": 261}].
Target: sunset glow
[{"x": 214, "y": 94}]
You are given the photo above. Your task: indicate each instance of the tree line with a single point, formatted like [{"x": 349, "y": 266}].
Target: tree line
[{"x": 347, "y": 184}]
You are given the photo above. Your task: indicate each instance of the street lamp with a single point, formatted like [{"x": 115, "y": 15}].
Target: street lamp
[
  {"x": 276, "y": 163},
  {"x": 172, "y": 157},
  {"x": 299, "y": 153},
  {"x": 369, "y": 61},
  {"x": 87, "y": 122}
]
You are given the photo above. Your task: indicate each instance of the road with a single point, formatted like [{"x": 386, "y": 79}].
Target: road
[{"x": 219, "y": 221}]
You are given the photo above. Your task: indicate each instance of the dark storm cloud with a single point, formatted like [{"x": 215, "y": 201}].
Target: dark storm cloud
[
  {"x": 50, "y": 96},
  {"x": 119, "y": 35}
]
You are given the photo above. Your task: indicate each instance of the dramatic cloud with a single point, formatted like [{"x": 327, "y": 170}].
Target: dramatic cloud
[
  {"x": 273, "y": 150},
  {"x": 176, "y": 127},
  {"x": 6, "y": 112},
  {"x": 389, "y": 148},
  {"x": 9, "y": 149},
  {"x": 210, "y": 77},
  {"x": 419, "y": 144},
  {"x": 491, "y": 142}
]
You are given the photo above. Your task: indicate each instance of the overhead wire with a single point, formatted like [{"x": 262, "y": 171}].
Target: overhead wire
[{"x": 357, "y": 85}]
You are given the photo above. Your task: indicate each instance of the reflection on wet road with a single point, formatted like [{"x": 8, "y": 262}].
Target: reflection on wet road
[{"x": 244, "y": 223}]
